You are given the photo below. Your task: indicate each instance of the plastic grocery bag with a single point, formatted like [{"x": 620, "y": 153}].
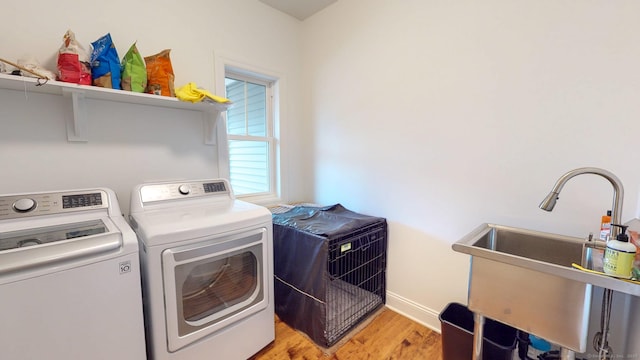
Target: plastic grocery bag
[
  {"x": 73, "y": 61},
  {"x": 160, "y": 76},
  {"x": 134, "y": 71},
  {"x": 105, "y": 63}
]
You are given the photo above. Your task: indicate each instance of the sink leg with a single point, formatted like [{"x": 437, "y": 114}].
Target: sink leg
[
  {"x": 478, "y": 329},
  {"x": 566, "y": 354}
]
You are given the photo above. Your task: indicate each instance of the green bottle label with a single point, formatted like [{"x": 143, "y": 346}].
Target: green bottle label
[{"x": 618, "y": 263}]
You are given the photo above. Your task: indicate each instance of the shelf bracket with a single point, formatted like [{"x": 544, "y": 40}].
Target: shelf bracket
[
  {"x": 210, "y": 118},
  {"x": 77, "y": 126}
]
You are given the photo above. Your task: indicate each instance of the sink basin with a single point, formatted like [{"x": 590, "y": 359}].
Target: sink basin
[
  {"x": 524, "y": 278},
  {"x": 533, "y": 245},
  {"x": 518, "y": 277}
]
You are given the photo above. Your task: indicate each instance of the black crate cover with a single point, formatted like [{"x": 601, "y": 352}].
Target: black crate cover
[{"x": 330, "y": 269}]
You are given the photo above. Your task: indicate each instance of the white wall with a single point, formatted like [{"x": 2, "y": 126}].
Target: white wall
[
  {"x": 129, "y": 144},
  {"x": 442, "y": 115}
]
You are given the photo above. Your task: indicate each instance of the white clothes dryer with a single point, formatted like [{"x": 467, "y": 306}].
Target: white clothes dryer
[
  {"x": 207, "y": 270},
  {"x": 69, "y": 278}
]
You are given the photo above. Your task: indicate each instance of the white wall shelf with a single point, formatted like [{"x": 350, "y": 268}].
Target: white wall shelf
[{"x": 77, "y": 127}]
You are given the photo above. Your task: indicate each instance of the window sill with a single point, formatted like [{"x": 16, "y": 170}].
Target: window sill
[{"x": 262, "y": 199}]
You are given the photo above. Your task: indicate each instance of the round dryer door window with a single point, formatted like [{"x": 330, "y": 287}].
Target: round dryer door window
[{"x": 217, "y": 285}]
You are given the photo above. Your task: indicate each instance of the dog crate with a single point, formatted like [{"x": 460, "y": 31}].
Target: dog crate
[{"x": 329, "y": 268}]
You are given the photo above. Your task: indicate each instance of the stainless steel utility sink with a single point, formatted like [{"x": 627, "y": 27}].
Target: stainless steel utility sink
[
  {"x": 518, "y": 277},
  {"x": 524, "y": 278}
]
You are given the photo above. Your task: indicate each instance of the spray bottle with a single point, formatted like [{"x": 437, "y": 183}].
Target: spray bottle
[{"x": 605, "y": 226}]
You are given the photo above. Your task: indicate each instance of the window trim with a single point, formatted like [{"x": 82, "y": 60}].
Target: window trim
[{"x": 226, "y": 66}]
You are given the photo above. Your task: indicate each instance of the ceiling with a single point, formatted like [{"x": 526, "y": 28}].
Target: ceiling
[{"x": 299, "y": 9}]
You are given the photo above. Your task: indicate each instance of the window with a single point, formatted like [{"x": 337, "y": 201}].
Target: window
[{"x": 250, "y": 130}]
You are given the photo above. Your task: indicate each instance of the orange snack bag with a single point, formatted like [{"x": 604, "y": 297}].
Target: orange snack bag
[{"x": 160, "y": 76}]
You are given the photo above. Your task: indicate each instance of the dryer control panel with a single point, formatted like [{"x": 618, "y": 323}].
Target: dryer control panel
[
  {"x": 39, "y": 204},
  {"x": 150, "y": 193}
]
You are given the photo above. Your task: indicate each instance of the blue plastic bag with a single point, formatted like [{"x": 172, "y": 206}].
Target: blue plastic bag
[{"x": 105, "y": 63}]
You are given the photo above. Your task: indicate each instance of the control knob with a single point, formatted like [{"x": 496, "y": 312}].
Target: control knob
[
  {"x": 24, "y": 205},
  {"x": 184, "y": 189}
]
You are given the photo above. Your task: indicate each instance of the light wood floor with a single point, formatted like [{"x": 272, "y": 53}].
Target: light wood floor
[{"x": 389, "y": 336}]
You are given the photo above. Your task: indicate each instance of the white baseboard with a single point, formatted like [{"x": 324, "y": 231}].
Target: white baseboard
[{"x": 414, "y": 311}]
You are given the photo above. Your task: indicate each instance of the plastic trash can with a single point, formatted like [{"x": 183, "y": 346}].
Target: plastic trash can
[{"x": 457, "y": 322}]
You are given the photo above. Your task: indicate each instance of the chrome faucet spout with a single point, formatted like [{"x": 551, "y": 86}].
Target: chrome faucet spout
[
  {"x": 618, "y": 192},
  {"x": 549, "y": 202}
]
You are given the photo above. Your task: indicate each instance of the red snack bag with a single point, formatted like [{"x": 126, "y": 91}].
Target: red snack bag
[{"x": 73, "y": 61}]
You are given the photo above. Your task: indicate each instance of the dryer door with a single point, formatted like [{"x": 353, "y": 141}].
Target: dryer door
[{"x": 213, "y": 283}]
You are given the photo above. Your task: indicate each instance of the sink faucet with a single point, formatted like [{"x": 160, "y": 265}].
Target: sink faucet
[
  {"x": 601, "y": 343},
  {"x": 618, "y": 192}
]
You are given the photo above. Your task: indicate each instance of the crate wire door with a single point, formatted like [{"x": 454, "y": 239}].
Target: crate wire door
[{"x": 356, "y": 269}]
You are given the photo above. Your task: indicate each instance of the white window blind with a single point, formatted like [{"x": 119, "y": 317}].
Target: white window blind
[{"x": 250, "y": 133}]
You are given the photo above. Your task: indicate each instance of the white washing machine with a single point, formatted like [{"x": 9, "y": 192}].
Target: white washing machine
[
  {"x": 69, "y": 278},
  {"x": 207, "y": 270}
]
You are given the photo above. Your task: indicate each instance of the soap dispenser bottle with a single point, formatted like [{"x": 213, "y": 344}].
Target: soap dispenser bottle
[{"x": 619, "y": 255}]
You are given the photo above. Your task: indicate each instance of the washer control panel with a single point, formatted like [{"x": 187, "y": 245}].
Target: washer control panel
[
  {"x": 191, "y": 189},
  {"x": 25, "y": 205}
]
